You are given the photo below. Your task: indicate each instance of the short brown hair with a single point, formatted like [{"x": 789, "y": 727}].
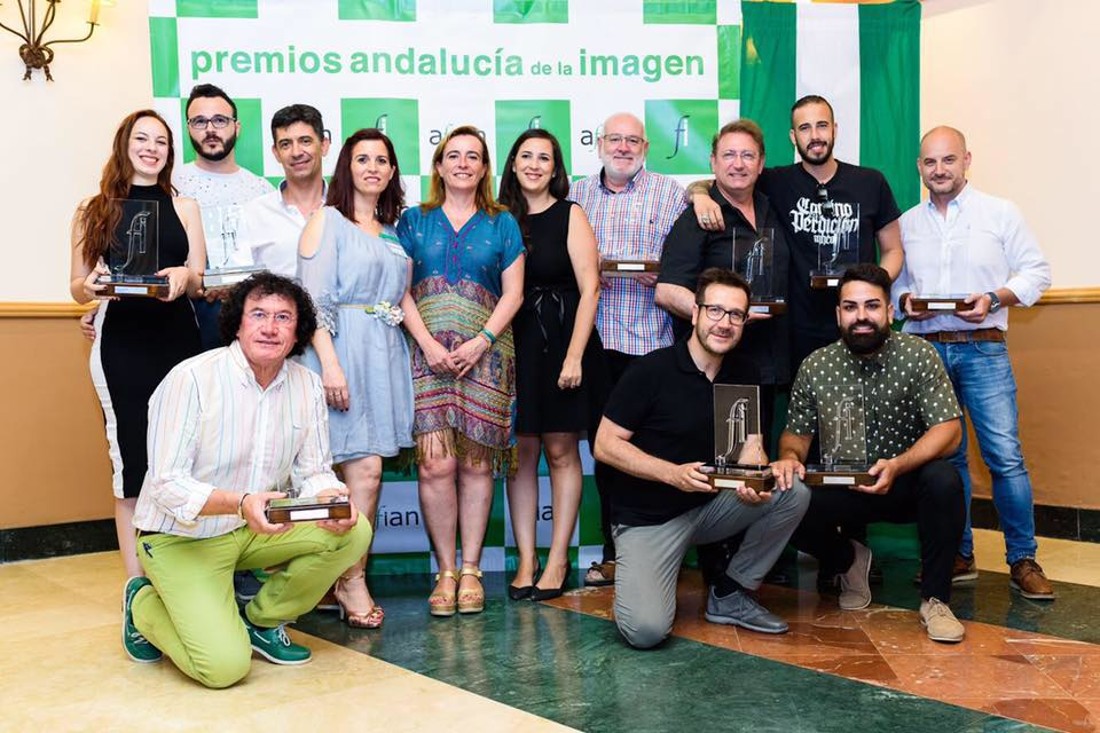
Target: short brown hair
[
  {"x": 720, "y": 276},
  {"x": 745, "y": 126}
]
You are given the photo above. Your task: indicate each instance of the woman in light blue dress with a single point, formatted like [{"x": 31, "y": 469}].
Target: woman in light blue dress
[{"x": 351, "y": 263}]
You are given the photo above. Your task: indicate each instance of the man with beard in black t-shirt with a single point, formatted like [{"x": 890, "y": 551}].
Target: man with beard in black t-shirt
[{"x": 815, "y": 198}]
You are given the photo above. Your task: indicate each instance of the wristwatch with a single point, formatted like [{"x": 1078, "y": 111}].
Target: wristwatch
[{"x": 994, "y": 302}]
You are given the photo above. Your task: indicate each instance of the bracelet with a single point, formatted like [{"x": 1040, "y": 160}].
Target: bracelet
[
  {"x": 489, "y": 335},
  {"x": 240, "y": 506}
]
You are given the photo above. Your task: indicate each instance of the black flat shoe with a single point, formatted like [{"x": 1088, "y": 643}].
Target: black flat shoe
[
  {"x": 545, "y": 594},
  {"x": 518, "y": 593}
]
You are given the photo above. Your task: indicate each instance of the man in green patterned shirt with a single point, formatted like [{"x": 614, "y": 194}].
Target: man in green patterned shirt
[{"x": 911, "y": 423}]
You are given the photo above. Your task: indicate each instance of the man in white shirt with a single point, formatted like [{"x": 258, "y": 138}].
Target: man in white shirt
[
  {"x": 230, "y": 430},
  {"x": 272, "y": 224},
  {"x": 220, "y": 186},
  {"x": 965, "y": 242}
]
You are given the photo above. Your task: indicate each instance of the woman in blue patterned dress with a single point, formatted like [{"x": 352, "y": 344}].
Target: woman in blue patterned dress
[
  {"x": 467, "y": 285},
  {"x": 350, "y": 261}
]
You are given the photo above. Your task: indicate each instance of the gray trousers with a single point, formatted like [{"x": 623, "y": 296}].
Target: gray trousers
[{"x": 648, "y": 558}]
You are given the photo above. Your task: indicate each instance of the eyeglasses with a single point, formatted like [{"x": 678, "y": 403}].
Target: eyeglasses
[
  {"x": 747, "y": 157},
  {"x": 632, "y": 140},
  {"x": 259, "y": 317},
  {"x": 716, "y": 313},
  {"x": 220, "y": 122}
]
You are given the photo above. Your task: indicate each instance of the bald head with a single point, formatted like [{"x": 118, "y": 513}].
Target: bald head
[
  {"x": 944, "y": 131},
  {"x": 943, "y": 163}
]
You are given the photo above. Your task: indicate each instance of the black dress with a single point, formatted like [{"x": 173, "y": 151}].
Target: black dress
[
  {"x": 138, "y": 340},
  {"x": 543, "y": 328}
]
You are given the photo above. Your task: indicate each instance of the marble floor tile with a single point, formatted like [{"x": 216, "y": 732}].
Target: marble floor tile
[{"x": 987, "y": 676}]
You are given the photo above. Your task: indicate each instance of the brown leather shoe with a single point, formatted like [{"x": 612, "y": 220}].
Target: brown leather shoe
[
  {"x": 964, "y": 570},
  {"x": 1028, "y": 578}
]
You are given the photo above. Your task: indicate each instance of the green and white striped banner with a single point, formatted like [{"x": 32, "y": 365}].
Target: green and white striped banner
[{"x": 417, "y": 68}]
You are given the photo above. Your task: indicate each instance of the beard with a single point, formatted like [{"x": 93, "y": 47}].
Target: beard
[
  {"x": 862, "y": 344},
  {"x": 816, "y": 158},
  {"x": 701, "y": 333},
  {"x": 227, "y": 148}
]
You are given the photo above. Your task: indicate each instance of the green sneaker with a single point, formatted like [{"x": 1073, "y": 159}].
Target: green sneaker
[
  {"x": 275, "y": 646},
  {"x": 137, "y": 646}
]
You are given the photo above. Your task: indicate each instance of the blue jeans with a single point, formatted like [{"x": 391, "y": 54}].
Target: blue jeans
[{"x": 982, "y": 376}]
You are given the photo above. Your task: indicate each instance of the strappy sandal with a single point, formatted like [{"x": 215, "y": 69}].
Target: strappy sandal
[
  {"x": 442, "y": 603},
  {"x": 600, "y": 574},
  {"x": 371, "y": 619},
  {"x": 471, "y": 601}
]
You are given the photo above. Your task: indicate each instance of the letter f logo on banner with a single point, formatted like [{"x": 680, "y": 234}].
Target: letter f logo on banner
[
  {"x": 535, "y": 122},
  {"x": 680, "y": 134},
  {"x": 380, "y": 123}
]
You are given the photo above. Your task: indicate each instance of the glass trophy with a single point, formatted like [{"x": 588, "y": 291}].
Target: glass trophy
[
  {"x": 836, "y": 233},
  {"x": 739, "y": 459},
  {"x": 753, "y": 254},
  {"x": 133, "y": 257},
  {"x": 227, "y": 262},
  {"x": 934, "y": 294},
  {"x": 842, "y": 436},
  {"x": 628, "y": 268}
]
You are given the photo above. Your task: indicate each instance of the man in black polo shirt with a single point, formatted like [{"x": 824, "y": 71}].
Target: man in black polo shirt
[{"x": 658, "y": 428}]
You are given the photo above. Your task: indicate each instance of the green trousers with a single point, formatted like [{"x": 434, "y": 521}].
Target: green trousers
[{"x": 189, "y": 612}]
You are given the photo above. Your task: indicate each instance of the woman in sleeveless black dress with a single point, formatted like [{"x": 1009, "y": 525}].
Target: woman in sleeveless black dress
[
  {"x": 557, "y": 353},
  {"x": 138, "y": 339}
]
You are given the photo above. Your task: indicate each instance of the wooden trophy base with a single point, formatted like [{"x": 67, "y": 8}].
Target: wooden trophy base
[
  {"x": 824, "y": 280},
  {"x": 757, "y": 478},
  {"x": 837, "y": 474},
  {"x": 135, "y": 286},
  {"x": 945, "y": 303},
  {"x": 308, "y": 509},
  {"x": 227, "y": 277},
  {"x": 628, "y": 268},
  {"x": 775, "y": 307}
]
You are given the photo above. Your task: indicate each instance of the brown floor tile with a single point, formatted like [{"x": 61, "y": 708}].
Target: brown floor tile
[
  {"x": 1078, "y": 675},
  {"x": 1058, "y": 713},
  {"x": 898, "y": 631},
  {"x": 981, "y": 676},
  {"x": 870, "y": 668}
]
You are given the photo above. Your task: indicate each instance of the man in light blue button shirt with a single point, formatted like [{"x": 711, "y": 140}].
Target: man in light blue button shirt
[{"x": 962, "y": 242}]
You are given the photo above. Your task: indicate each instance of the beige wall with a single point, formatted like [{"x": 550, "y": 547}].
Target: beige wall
[
  {"x": 1018, "y": 77},
  {"x": 58, "y": 134}
]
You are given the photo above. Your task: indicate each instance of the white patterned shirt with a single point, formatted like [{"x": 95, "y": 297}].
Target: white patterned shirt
[
  {"x": 212, "y": 426},
  {"x": 983, "y": 244},
  {"x": 221, "y": 197}
]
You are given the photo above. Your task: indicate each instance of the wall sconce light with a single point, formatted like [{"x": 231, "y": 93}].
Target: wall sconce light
[{"x": 35, "y": 52}]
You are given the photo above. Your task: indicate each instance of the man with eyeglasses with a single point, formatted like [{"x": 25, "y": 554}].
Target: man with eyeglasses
[
  {"x": 631, "y": 211},
  {"x": 658, "y": 429},
  {"x": 272, "y": 224},
  {"x": 911, "y": 423},
  {"x": 814, "y": 198},
  {"x": 221, "y": 187},
  {"x": 737, "y": 160},
  {"x": 230, "y": 430}
]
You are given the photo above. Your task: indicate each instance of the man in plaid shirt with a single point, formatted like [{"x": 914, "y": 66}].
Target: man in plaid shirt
[{"x": 631, "y": 211}]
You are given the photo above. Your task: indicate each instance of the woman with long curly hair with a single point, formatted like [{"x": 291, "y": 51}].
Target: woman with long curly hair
[{"x": 138, "y": 339}]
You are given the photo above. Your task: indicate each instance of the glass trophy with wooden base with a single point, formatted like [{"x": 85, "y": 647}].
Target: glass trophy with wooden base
[
  {"x": 227, "y": 262},
  {"x": 842, "y": 432},
  {"x": 307, "y": 509},
  {"x": 739, "y": 458},
  {"x": 134, "y": 258},
  {"x": 753, "y": 257},
  {"x": 836, "y": 233}
]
